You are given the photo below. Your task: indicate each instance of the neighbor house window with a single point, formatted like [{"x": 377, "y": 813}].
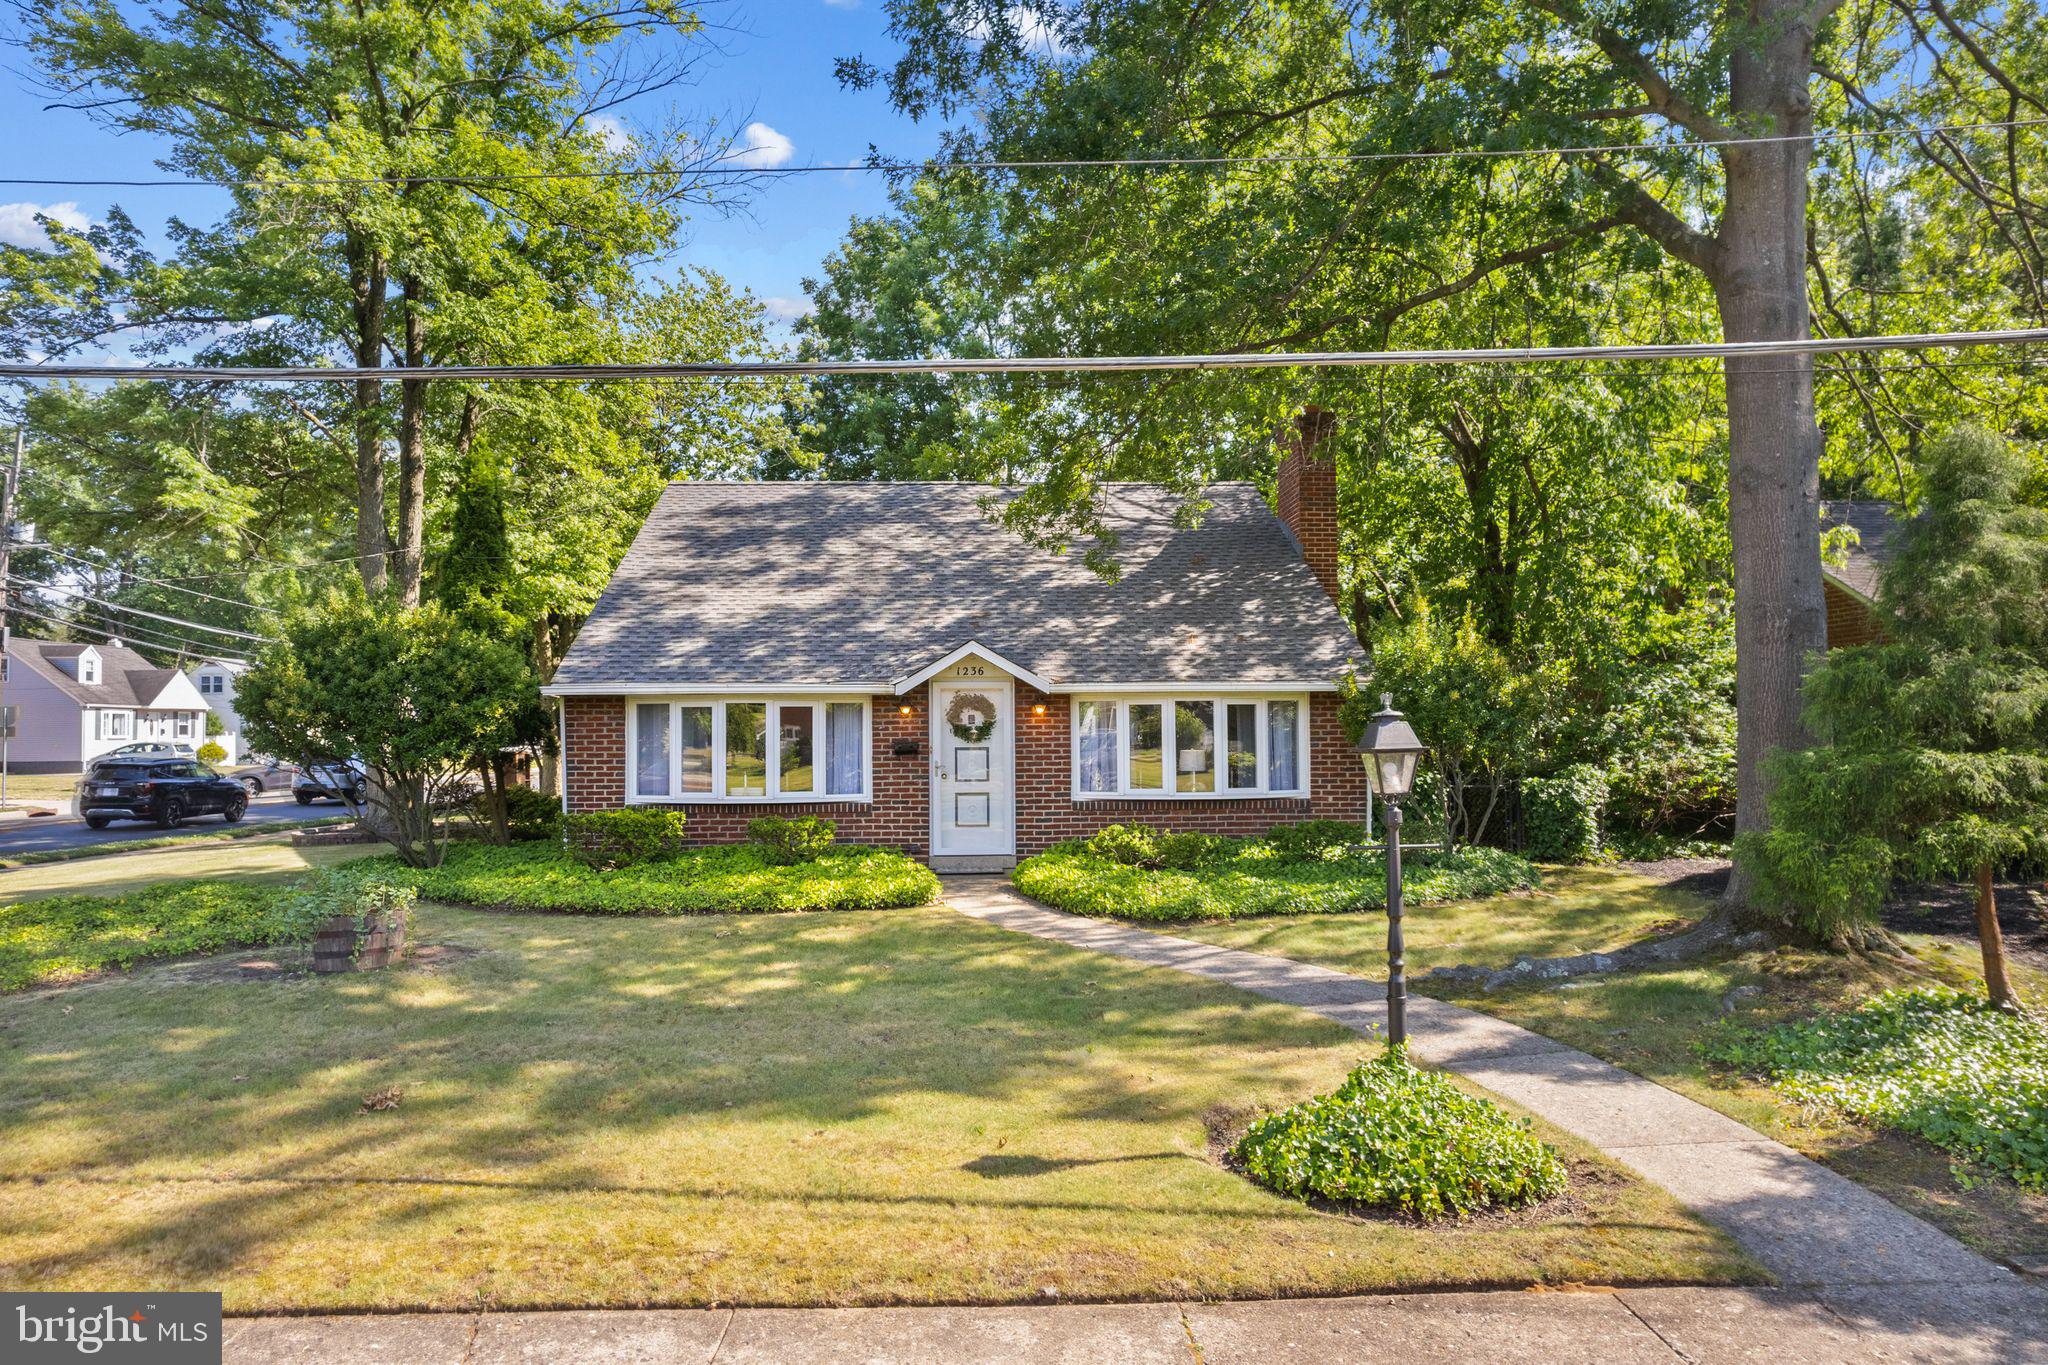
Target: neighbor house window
[
  {"x": 747, "y": 750},
  {"x": 1189, "y": 747},
  {"x": 114, "y": 724},
  {"x": 183, "y": 725},
  {"x": 88, "y": 669}
]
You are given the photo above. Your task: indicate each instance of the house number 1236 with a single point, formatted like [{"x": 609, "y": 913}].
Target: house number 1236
[{"x": 969, "y": 671}]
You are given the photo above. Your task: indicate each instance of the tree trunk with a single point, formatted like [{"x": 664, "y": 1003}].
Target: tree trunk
[
  {"x": 1759, "y": 278},
  {"x": 1997, "y": 983},
  {"x": 368, "y": 278},
  {"x": 412, "y": 451}
]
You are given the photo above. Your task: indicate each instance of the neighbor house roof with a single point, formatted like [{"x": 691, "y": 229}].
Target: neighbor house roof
[
  {"x": 126, "y": 678},
  {"x": 864, "y": 584},
  {"x": 1876, "y": 525}
]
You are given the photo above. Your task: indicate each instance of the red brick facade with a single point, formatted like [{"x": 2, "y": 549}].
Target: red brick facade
[
  {"x": 1306, "y": 494},
  {"x": 900, "y": 814},
  {"x": 1850, "y": 619}
]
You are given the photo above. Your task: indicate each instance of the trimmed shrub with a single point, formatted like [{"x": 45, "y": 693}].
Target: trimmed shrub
[
  {"x": 1318, "y": 838},
  {"x": 608, "y": 839},
  {"x": 1393, "y": 1137},
  {"x": 210, "y": 752},
  {"x": 1186, "y": 851},
  {"x": 531, "y": 814},
  {"x": 720, "y": 879},
  {"x": 1125, "y": 845},
  {"x": 802, "y": 840},
  {"x": 1562, "y": 816}
]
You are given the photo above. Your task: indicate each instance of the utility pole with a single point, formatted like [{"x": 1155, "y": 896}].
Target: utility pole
[{"x": 6, "y": 632}]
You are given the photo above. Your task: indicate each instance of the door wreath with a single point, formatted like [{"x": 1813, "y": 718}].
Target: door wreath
[{"x": 972, "y": 717}]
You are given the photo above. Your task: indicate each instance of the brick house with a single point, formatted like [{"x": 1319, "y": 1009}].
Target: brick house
[
  {"x": 886, "y": 655},
  {"x": 1850, "y": 586}
]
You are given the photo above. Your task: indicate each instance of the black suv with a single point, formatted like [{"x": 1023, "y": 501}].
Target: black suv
[{"x": 167, "y": 792}]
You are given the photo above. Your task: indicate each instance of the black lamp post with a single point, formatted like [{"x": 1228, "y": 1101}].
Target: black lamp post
[{"x": 1389, "y": 749}]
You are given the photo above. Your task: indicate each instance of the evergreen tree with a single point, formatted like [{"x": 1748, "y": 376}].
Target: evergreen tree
[{"x": 1933, "y": 743}]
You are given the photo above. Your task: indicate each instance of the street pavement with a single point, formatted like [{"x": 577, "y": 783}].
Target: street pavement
[{"x": 39, "y": 834}]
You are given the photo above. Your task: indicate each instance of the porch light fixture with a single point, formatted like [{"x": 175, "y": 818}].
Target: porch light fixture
[
  {"x": 1389, "y": 750},
  {"x": 904, "y": 709},
  {"x": 1039, "y": 709}
]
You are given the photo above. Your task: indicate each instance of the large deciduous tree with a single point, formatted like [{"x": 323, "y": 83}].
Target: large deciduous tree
[
  {"x": 1295, "y": 234},
  {"x": 412, "y": 184}
]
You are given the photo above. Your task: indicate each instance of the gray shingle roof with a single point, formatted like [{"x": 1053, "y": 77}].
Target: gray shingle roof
[
  {"x": 1876, "y": 525},
  {"x": 864, "y": 583},
  {"x": 126, "y": 678}
]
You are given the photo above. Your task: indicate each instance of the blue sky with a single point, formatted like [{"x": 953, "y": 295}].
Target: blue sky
[{"x": 777, "y": 73}]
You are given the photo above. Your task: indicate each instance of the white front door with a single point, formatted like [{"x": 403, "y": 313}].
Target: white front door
[{"x": 973, "y": 799}]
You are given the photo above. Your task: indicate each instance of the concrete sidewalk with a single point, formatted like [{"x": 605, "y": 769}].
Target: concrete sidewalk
[
  {"x": 2000, "y": 1326},
  {"x": 1809, "y": 1226}
]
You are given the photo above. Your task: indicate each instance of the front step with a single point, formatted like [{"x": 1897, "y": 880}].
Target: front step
[{"x": 975, "y": 862}]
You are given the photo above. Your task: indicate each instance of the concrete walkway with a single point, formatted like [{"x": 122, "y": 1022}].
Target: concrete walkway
[
  {"x": 1810, "y": 1227},
  {"x": 1628, "y": 1327}
]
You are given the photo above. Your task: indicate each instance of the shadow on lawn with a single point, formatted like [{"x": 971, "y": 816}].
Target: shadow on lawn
[{"x": 566, "y": 1050}]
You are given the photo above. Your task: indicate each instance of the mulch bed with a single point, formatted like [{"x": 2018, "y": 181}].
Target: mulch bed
[{"x": 1943, "y": 909}]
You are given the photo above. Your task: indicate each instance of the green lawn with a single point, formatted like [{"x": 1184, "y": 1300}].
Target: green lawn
[
  {"x": 875, "y": 1107},
  {"x": 1648, "y": 1021}
]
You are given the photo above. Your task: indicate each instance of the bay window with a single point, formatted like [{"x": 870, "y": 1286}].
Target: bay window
[
  {"x": 1188, "y": 748},
  {"x": 747, "y": 749}
]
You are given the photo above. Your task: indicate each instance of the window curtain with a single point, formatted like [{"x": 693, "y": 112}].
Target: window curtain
[
  {"x": 1098, "y": 746},
  {"x": 650, "y": 758},
  {"x": 1283, "y": 725},
  {"x": 845, "y": 743}
]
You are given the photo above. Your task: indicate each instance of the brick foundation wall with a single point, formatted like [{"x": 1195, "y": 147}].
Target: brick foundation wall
[
  {"x": 1850, "y": 622},
  {"x": 1047, "y": 811},
  {"x": 899, "y": 816}
]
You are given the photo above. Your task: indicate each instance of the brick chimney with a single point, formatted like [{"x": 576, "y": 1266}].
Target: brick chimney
[{"x": 1308, "y": 493}]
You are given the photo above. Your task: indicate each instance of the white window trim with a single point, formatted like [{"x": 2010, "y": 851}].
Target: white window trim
[
  {"x": 818, "y": 704},
  {"x": 107, "y": 720},
  {"x": 1125, "y": 792}
]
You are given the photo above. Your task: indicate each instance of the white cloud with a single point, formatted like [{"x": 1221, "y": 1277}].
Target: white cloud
[
  {"x": 785, "y": 308},
  {"x": 843, "y": 4},
  {"x": 761, "y": 147},
  {"x": 616, "y": 136},
  {"x": 18, "y": 225}
]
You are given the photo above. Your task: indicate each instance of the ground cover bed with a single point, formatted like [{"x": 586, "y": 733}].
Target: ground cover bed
[
  {"x": 721, "y": 878},
  {"x": 1134, "y": 873},
  {"x": 894, "y": 1106},
  {"x": 1653, "y": 1021}
]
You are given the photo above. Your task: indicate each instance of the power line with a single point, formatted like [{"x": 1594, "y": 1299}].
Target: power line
[
  {"x": 900, "y": 167},
  {"x": 745, "y": 369},
  {"x": 138, "y": 611},
  {"x": 158, "y": 582},
  {"x": 152, "y": 639}
]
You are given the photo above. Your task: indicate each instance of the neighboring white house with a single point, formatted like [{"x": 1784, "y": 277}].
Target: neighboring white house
[
  {"x": 73, "y": 703},
  {"x": 216, "y": 680}
]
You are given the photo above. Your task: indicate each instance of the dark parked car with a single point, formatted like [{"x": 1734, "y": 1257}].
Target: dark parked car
[
  {"x": 336, "y": 781},
  {"x": 168, "y": 793}
]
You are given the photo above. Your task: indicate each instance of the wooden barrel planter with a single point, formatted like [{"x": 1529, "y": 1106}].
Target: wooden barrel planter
[{"x": 339, "y": 946}]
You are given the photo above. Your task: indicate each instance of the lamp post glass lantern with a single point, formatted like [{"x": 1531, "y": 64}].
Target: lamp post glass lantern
[{"x": 1390, "y": 750}]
